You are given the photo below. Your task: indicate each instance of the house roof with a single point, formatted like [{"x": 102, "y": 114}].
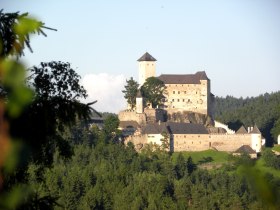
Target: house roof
[
  {"x": 125, "y": 124},
  {"x": 183, "y": 78},
  {"x": 155, "y": 128},
  {"x": 186, "y": 128},
  {"x": 245, "y": 149},
  {"x": 146, "y": 57},
  {"x": 174, "y": 128},
  {"x": 256, "y": 130},
  {"x": 241, "y": 130}
]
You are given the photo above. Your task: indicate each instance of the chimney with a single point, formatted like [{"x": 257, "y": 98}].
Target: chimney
[{"x": 249, "y": 129}]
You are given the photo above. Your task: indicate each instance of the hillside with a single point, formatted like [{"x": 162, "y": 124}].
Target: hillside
[{"x": 262, "y": 110}]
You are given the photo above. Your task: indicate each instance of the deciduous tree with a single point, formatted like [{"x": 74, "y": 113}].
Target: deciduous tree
[{"x": 153, "y": 91}]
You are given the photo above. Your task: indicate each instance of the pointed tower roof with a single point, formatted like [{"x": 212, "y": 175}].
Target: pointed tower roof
[
  {"x": 146, "y": 57},
  {"x": 256, "y": 130},
  {"x": 241, "y": 130}
]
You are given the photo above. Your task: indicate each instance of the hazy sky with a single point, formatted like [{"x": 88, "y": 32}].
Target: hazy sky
[{"x": 237, "y": 42}]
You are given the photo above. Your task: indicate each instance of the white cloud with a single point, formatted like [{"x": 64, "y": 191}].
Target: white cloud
[{"x": 107, "y": 90}]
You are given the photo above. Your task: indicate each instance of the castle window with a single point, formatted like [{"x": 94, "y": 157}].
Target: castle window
[
  {"x": 173, "y": 100},
  {"x": 192, "y": 142},
  {"x": 178, "y": 100},
  {"x": 185, "y": 92},
  {"x": 173, "y": 91},
  {"x": 178, "y": 92},
  {"x": 184, "y": 136}
]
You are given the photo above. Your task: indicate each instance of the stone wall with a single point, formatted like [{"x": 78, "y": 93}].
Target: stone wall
[
  {"x": 198, "y": 142},
  {"x": 131, "y": 115},
  {"x": 221, "y": 142},
  {"x": 188, "y": 97}
]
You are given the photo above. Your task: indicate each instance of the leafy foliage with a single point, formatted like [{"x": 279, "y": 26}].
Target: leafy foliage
[
  {"x": 54, "y": 107},
  {"x": 115, "y": 176},
  {"x": 153, "y": 91},
  {"x": 15, "y": 29},
  {"x": 14, "y": 96},
  {"x": 271, "y": 160}
]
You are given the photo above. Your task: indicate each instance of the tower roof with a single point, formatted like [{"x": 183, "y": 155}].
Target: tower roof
[
  {"x": 146, "y": 57},
  {"x": 241, "y": 130},
  {"x": 256, "y": 130}
]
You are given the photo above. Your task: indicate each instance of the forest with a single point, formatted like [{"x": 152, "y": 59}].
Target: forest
[
  {"x": 50, "y": 158},
  {"x": 263, "y": 111}
]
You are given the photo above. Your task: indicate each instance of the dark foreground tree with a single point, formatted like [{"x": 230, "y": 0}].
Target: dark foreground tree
[
  {"x": 153, "y": 91},
  {"x": 130, "y": 92},
  {"x": 55, "y": 105}
]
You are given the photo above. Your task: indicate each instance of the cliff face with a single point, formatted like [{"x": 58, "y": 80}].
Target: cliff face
[{"x": 190, "y": 117}]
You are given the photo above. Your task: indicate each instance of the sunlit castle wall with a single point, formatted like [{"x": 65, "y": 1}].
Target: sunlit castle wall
[
  {"x": 188, "y": 97},
  {"x": 146, "y": 69}
]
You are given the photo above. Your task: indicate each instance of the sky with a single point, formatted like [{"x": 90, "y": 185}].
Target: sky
[{"x": 236, "y": 42}]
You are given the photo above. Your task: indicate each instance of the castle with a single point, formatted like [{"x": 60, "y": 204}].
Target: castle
[{"x": 187, "y": 116}]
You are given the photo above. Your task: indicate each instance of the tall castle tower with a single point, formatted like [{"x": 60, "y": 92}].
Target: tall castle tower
[{"x": 147, "y": 68}]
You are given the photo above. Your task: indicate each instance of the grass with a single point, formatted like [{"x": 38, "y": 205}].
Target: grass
[
  {"x": 215, "y": 157},
  {"x": 276, "y": 148},
  {"x": 261, "y": 165}
]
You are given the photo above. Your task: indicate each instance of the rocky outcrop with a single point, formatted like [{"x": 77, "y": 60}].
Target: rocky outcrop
[{"x": 191, "y": 117}]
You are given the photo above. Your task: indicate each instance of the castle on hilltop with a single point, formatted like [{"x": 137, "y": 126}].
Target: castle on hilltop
[
  {"x": 187, "y": 116},
  {"x": 185, "y": 92}
]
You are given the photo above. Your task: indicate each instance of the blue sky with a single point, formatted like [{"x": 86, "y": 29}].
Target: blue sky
[{"x": 237, "y": 42}]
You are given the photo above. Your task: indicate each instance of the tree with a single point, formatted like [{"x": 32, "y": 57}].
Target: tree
[
  {"x": 15, "y": 29},
  {"x": 14, "y": 96},
  {"x": 130, "y": 92},
  {"x": 55, "y": 106},
  {"x": 111, "y": 124},
  {"x": 165, "y": 141},
  {"x": 153, "y": 91},
  {"x": 190, "y": 165}
]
